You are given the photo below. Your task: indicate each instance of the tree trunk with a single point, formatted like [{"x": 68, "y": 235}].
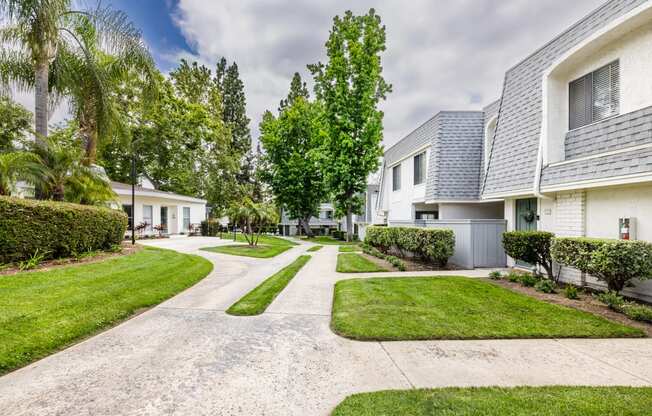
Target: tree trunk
[
  {"x": 349, "y": 224},
  {"x": 58, "y": 193},
  {"x": 89, "y": 133},
  {"x": 306, "y": 226},
  {"x": 41, "y": 100}
]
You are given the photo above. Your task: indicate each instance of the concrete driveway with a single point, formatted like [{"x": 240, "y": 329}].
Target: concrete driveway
[{"x": 187, "y": 357}]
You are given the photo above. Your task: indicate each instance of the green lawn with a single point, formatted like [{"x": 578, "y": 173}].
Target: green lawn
[
  {"x": 256, "y": 301},
  {"x": 42, "y": 312},
  {"x": 350, "y": 249},
  {"x": 268, "y": 240},
  {"x": 260, "y": 251},
  {"x": 521, "y": 401},
  {"x": 315, "y": 248},
  {"x": 456, "y": 308},
  {"x": 327, "y": 240},
  {"x": 355, "y": 263}
]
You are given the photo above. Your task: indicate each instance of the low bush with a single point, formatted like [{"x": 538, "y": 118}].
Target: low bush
[
  {"x": 396, "y": 262},
  {"x": 55, "y": 229},
  {"x": 612, "y": 299},
  {"x": 210, "y": 228},
  {"x": 545, "y": 286},
  {"x": 571, "y": 292},
  {"x": 637, "y": 312},
  {"x": 513, "y": 277},
  {"x": 531, "y": 247},
  {"x": 528, "y": 280},
  {"x": 432, "y": 245},
  {"x": 615, "y": 262},
  {"x": 393, "y": 260},
  {"x": 495, "y": 275}
]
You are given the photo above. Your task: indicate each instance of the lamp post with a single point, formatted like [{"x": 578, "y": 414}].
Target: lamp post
[{"x": 133, "y": 190}]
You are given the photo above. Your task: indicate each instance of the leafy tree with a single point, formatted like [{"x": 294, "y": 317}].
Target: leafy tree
[
  {"x": 253, "y": 218},
  {"x": 298, "y": 89},
  {"x": 15, "y": 124},
  {"x": 292, "y": 143},
  {"x": 35, "y": 39},
  {"x": 15, "y": 166},
  {"x": 351, "y": 86}
]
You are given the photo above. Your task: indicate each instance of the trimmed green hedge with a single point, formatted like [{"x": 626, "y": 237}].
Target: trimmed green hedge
[
  {"x": 615, "y": 262},
  {"x": 55, "y": 229},
  {"x": 531, "y": 247},
  {"x": 433, "y": 245}
]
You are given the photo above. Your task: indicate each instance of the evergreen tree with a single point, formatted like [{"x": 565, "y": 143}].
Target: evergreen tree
[
  {"x": 234, "y": 105},
  {"x": 298, "y": 88}
]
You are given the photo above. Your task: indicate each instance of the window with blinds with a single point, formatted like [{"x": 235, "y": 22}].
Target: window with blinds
[
  {"x": 396, "y": 178},
  {"x": 595, "y": 96},
  {"x": 419, "y": 168}
]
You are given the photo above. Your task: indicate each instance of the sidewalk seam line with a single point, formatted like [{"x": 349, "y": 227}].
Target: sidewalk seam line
[{"x": 396, "y": 365}]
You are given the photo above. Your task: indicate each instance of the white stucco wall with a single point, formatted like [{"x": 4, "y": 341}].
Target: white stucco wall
[
  {"x": 631, "y": 44},
  {"x": 489, "y": 211},
  {"x": 175, "y": 211},
  {"x": 606, "y": 205},
  {"x": 401, "y": 201}
]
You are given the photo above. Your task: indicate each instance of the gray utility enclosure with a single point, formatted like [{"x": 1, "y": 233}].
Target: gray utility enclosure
[{"x": 478, "y": 243}]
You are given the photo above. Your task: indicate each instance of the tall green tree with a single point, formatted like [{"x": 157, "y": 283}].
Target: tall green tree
[
  {"x": 351, "y": 86},
  {"x": 15, "y": 124},
  {"x": 298, "y": 89},
  {"x": 293, "y": 158}
]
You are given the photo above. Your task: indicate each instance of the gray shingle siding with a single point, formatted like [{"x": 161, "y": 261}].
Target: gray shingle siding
[
  {"x": 626, "y": 130},
  {"x": 628, "y": 163},
  {"x": 456, "y": 156},
  {"x": 513, "y": 157},
  {"x": 418, "y": 138}
]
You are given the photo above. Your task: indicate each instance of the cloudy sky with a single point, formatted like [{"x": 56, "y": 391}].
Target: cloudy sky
[{"x": 440, "y": 54}]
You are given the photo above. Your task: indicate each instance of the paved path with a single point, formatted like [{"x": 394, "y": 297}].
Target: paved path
[{"x": 187, "y": 357}]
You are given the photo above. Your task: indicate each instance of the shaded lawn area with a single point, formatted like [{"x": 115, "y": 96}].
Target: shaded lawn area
[
  {"x": 355, "y": 263},
  {"x": 327, "y": 241},
  {"x": 260, "y": 251},
  {"x": 414, "y": 308},
  {"x": 350, "y": 249},
  {"x": 256, "y": 301},
  {"x": 42, "y": 312},
  {"x": 520, "y": 401},
  {"x": 315, "y": 248}
]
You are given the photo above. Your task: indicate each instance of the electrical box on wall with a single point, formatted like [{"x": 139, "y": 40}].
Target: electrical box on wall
[{"x": 627, "y": 228}]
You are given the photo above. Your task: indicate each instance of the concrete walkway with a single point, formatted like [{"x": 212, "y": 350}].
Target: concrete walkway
[{"x": 187, "y": 357}]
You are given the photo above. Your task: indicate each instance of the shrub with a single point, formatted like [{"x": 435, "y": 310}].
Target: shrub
[
  {"x": 528, "y": 280},
  {"x": 637, "y": 312},
  {"x": 571, "y": 292},
  {"x": 513, "y": 277},
  {"x": 56, "y": 229},
  {"x": 432, "y": 245},
  {"x": 531, "y": 247},
  {"x": 210, "y": 227},
  {"x": 615, "y": 262},
  {"x": 495, "y": 275},
  {"x": 394, "y": 261},
  {"x": 612, "y": 299},
  {"x": 545, "y": 286}
]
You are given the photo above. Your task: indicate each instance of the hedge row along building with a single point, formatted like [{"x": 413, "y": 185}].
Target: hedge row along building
[{"x": 567, "y": 148}]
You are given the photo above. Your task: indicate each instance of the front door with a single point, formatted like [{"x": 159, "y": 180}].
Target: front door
[
  {"x": 526, "y": 219},
  {"x": 164, "y": 219}
]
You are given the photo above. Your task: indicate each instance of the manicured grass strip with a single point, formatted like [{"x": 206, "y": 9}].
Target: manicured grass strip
[
  {"x": 414, "y": 308},
  {"x": 42, "y": 312},
  {"x": 349, "y": 249},
  {"x": 520, "y": 401},
  {"x": 327, "y": 241},
  {"x": 315, "y": 248},
  {"x": 268, "y": 240},
  {"x": 256, "y": 301},
  {"x": 260, "y": 251},
  {"x": 355, "y": 263}
]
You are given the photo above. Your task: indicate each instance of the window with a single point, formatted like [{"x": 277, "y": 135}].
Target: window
[
  {"x": 147, "y": 217},
  {"x": 186, "y": 219},
  {"x": 419, "y": 168},
  {"x": 396, "y": 178},
  {"x": 426, "y": 215},
  {"x": 595, "y": 96},
  {"x": 127, "y": 210}
]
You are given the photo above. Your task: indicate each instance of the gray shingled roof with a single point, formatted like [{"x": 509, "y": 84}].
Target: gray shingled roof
[
  {"x": 418, "y": 138},
  {"x": 514, "y": 151},
  {"x": 456, "y": 156}
]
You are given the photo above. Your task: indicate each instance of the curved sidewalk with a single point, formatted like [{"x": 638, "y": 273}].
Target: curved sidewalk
[{"x": 187, "y": 357}]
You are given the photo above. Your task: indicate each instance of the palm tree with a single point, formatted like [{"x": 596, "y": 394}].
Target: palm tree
[
  {"x": 39, "y": 35},
  {"x": 18, "y": 165},
  {"x": 253, "y": 218}
]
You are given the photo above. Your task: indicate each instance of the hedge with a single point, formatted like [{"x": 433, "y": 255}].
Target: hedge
[
  {"x": 434, "y": 245},
  {"x": 55, "y": 229},
  {"x": 531, "y": 247},
  {"x": 615, "y": 262}
]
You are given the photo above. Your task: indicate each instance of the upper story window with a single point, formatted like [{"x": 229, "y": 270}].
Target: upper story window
[
  {"x": 419, "y": 168},
  {"x": 396, "y": 178},
  {"x": 595, "y": 96}
]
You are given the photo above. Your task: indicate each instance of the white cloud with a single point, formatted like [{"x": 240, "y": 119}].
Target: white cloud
[{"x": 440, "y": 55}]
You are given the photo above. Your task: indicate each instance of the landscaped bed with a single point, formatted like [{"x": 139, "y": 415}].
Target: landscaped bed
[
  {"x": 327, "y": 240},
  {"x": 268, "y": 246},
  {"x": 356, "y": 263},
  {"x": 256, "y": 301},
  {"x": 520, "y": 401},
  {"x": 456, "y": 308},
  {"x": 42, "y": 312}
]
